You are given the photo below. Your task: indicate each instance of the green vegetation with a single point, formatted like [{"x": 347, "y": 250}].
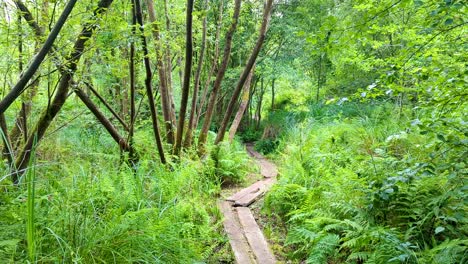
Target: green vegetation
[
  {"x": 370, "y": 187},
  {"x": 95, "y": 210},
  {"x": 119, "y": 139}
]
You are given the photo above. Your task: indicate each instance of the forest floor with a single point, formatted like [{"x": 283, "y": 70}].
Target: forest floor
[{"x": 241, "y": 215}]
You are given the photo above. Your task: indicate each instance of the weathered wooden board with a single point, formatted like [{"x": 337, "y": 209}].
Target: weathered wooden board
[
  {"x": 267, "y": 168},
  {"x": 238, "y": 242},
  {"x": 250, "y": 196},
  {"x": 255, "y": 236},
  {"x": 254, "y": 188}
]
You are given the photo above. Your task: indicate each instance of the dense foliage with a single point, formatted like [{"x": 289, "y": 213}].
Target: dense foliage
[
  {"x": 112, "y": 153},
  {"x": 375, "y": 168},
  {"x": 369, "y": 187},
  {"x": 93, "y": 210}
]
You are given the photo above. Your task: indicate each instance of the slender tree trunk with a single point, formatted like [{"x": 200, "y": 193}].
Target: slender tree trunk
[
  {"x": 62, "y": 91},
  {"x": 242, "y": 106},
  {"x": 22, "y": 121},
  {"x": 219, "y": 78},
  {"x": 193, "y": 110},
  {"x": 20, "y": 127},
  {"x": 187, "y": 74},
  {"x": 149, "y": 89},
  {"x": 37, "y": 60},
  {"x": 104, "y": 102},
  {"x": 181, "y": 73},
  {"x": 245, "y": 73},
  {"x": 7, "y": 150},
  {"x": 38, "y": 31},
  {"x": 163, "y": 87},
  {"x": 214, "y": 64},
  {"x": 259, "y": 104},
  {"x": 131, "y": 130},
  {"x": 171, "y": 140},
  {"x": 250, "y": 104},
  {"x": 123, "y": 144}
]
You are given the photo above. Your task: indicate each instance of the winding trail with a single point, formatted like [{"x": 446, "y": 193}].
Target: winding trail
[{"x": 245, "y": 236}]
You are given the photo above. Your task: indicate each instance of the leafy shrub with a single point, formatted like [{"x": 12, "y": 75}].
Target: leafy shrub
[
  {"x": 250, "y": 135},
  {"x": 230, "y": 162},
  {"x": 266, "y": 146}
]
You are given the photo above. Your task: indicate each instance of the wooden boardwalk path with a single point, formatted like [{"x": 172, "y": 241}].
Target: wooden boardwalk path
[{"x": 245, "y": 236}]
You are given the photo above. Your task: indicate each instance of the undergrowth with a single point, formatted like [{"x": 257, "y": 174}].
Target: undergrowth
[
  {"x": 373, "y": 185},
  {"x": 89, "y": 207}
]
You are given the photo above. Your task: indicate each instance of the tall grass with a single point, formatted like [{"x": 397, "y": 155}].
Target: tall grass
[
  {"x": 81, "y": 205},
  {"x": 31, "y": 187}
]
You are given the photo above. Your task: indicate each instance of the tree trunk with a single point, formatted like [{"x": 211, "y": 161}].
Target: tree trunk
[
  {"x": 123, "y": 144},
  {"x": 219, "y": 78},
  {"x": 259, "y": 104},
  {"x": 37, "y": 60},
  {"x": 245, "y": 73},
  {"x": 104, "y": 102},
  {"x": 131, "y": 130},
  {"x": 62, "y": 91},
  {"x": 163, "y": 87},
  {"x": 149, "y": 89},
  {"x": 193, "y": 110},
  {"x": 7, "y": 150},
  {"x": 242, "y": 106},
  {"x": 250, "y": 104},
  {"x": 187, "y": 74},
  {"x": 171, "y": 140},
  {"x": 213, "y": 64}
]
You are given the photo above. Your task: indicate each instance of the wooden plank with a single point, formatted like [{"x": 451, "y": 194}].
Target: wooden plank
[
  {"x": 235, "y": 233},
  {"x": 250, "y": 197},
  {"x": 267, "y": 168},
  {"x": 255, "y": 236},
  {"x": 251, "y": 189}
]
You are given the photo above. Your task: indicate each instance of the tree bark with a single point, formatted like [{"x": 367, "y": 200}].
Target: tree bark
[
  {"x": 7, "y": 150},
  {"x": 250, "y": 104},
  {"x": 37, "y": 60},
  {"x": 245, "y": 73},
  {"x": 219, "y": 78},
  {"x": 123, "y": 144},
  {"x": 193, "y": 110},
  {"x": 149, "y": 89},
  {"x": 62, "y": 91},
  {"x": 187, "y": 74},
  {"x": 242, "y": 106},
  {"x": 163, "y": 87},
  {"x": 214, "y": 63},
  {"x": 171, "y": 140},
  {"x": 259, "y": 104},
  {"x": 131, "y": 130},
  {"x": 104, "y": 102}
]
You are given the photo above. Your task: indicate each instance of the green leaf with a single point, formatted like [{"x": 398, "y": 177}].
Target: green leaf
[
  {"x": 439, "y": 229},
  {"x": 441, "y": 137}
]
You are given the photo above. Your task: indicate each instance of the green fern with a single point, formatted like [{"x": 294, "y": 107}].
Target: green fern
[{"x": 324, "y": 249}]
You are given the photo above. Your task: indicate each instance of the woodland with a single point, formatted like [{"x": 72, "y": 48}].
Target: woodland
[{"x": 122, "y": 122}]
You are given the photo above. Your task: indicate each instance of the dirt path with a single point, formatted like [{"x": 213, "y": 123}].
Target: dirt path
[{"x": 245, "y": 236}]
